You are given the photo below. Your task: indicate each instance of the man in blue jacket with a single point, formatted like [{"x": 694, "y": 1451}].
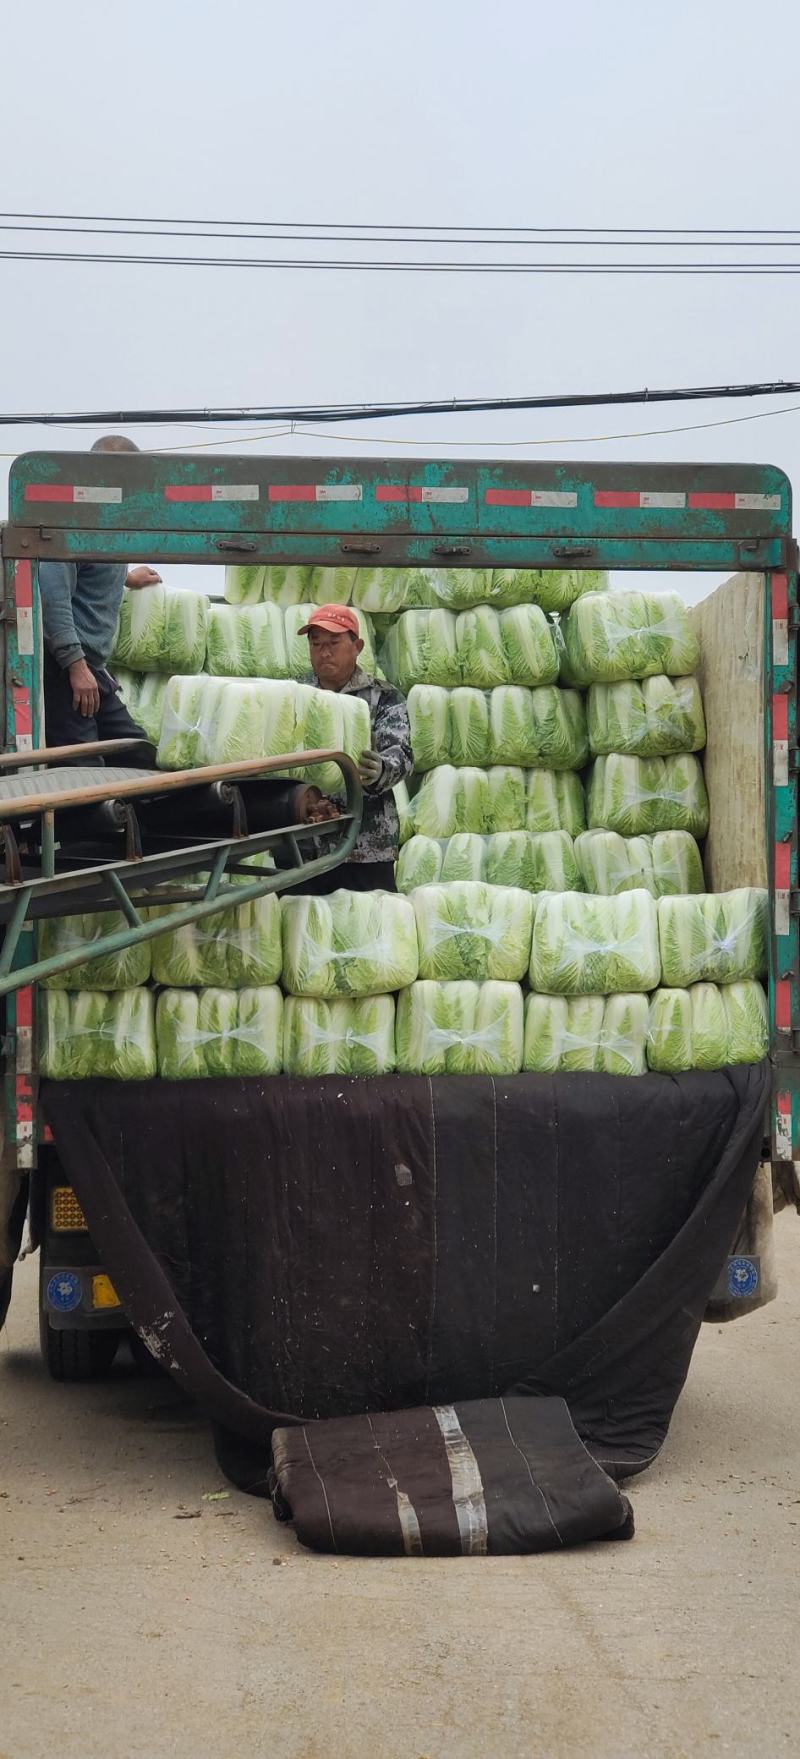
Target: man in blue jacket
[{"x": 80, "y": 608}]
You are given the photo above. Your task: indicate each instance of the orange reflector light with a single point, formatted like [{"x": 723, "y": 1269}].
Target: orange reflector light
[
  {"x": 66, "y": 1215},
  {"x": 103, "y": 1292}
]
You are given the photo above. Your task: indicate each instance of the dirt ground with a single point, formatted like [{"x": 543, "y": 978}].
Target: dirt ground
[{"x": 146, "y": 1616}]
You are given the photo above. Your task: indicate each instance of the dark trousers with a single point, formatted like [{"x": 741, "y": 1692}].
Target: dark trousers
[
  {"x": 352, "y": 876},
  {"x": 65, "y": 725}
]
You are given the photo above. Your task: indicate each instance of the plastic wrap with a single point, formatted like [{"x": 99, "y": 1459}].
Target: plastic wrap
[
  {"x": 233, "y": 949},
  {"x": 668, "y": 862},
  {"x": 343, "y": 1037},
  {"x": 714, "y": 937},
  {"x": 466, "y": 929},
  {"x": 110, "y": 971},
  {"x": 706, "y": 1027},
  {"x": 95, "y": 1034},
  {"x": 606, "y": 1035},
  {"x": 459, "y": 1028},
  {"x": 647, "y": 794},
  {"x": 219, "y": 1032},
  {"x": 161, "y": 629},
  {"x": 509, "y": 726},
  {"x": 651, "y": 717},
  {"x": 616, "y": 635},
  {"x": 351, "y": 943},
  {"x": 247, "y": 641},
  {"x": 589, "y": 946}
]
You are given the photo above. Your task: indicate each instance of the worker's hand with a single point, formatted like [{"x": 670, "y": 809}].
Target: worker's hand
[
  {"x": 142, "y": 576},
  {"x": 85, "y": 691},
  {"x": 370, "y": 768},
  {"x": 315, "y": 807}
]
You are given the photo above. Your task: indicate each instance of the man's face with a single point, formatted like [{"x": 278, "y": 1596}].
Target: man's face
[{"x": 333, "y": 657}]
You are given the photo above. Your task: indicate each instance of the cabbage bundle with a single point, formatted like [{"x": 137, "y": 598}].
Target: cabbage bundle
[
  {"x": 706, "y": 1027},
  {"x": 466, "y": 929},
  {"x": 97, "y": 1035},
  {"x": 459, "y": 1028},
  {"x": 606, "y": 1034},
  {"x": 219, "y": 1032},
  {"x": 651, "y": 717},
  {"x": 668, "y": 862},
  {"x": 421, "y": 649},
  {"x": 468, "y": 726},
  {"x": 247, "y": 641},
  {"x": 108, "y": 971},
  {"x": 429, "y": 719},
  {"x": 510, "y": 726},
  {"x": 162, "y": 629},
  {"x": 281, "y": 586},
  {"x": 636, "y": 794},
  {"x": 351, "y": 943},
  {"x": 534, "y": 862},
  {"x": 452, "y": 800},
  {"x": 554, "y": 802},
  {"x": 550, "y": 588},
  {"x": 298, "y": 663},
  {"x": 616, "y": 635},
  {"x": 143, "y": 694},
  {"x": 226, "y": 720},
  {"x": 387, "y": 591},
  {"x": 480, "y": 647},
  {"x": 500, "y": 798},
  {"x": 715, "y": 937},
  {"x": 588, "y": 945},
  {"x": 343, "y": 1037},
  {"x": 230, "y": 949},
  {"x": 329, "y": 720}
]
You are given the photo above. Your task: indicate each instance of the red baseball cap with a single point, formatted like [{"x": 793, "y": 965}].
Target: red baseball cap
[{"x": 334, "y": 618}]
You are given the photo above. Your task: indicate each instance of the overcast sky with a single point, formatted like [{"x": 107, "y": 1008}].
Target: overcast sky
[{"x": 443, "y": 111}]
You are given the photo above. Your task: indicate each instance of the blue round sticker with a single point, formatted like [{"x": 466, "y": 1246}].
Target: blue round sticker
[
  {"x": 742, "y": 1276},
  {"x": 64, "y": 1291}
]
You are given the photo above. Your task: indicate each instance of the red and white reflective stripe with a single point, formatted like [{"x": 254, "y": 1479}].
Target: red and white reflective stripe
[
  {"x": 783, "y": 860},
  {"x": 780, "y": 741},
  {"x": 531, "y": 498},
  {"x": 211, "y": 492},
  {"x": 780, "y": 620},
  {"x": 23, "y": 596},
  {"x": 783, "y": 1126},
  {"x": 24, "y": 1030},
  {"x": 444, "y": 497},
  {"x": 783, "y": 1004},
  {"x": 23, "y": 719},
  {"x": 639, "y": 498},
  {"x": 23, "y": 1120},
  {"x": 731, "y": 502},
  {"x": 677, "y": 499},
  {"x": 316, "y": 492},
  {"x": 76, "y": 492}
]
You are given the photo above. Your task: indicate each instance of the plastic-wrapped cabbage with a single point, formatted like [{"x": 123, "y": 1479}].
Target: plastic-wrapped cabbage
[
  {"x": 331, "y": 586},
  {"x": 219, "y": 1032},
  {"x": 351, "y": 943},
  {"x": 429, "y": 719},
  {"x": 405, "y": 813},
  {"x": 108, "y": 971},
  {"x": 460, "y": 1028},
  {"x": 344, "y": 1037},
  {"x": 421, "y": 649},
  {"x": 162, "y": 629},
  {"x": 246, "y": 641},
  {"x": 452, "y": 800},
  {"x": 544, "y": 727},
  {"x": 469, "y": 727},
  {"x": 528, "y": 646},
  {"x": 143, "y": 694},
  {"x": 244, "y": 586},
  {"x": 281, "y": 586},
  {"x": 612, "y": 636},
  {"x": 482, "y": 659},
  {"x": 677, "y": 863},
  {"x": 94, "y": 1034},
  {"x": 713, "y": 937},
  {"x": 464, "y": 857},
  {"x": 469, "y": 930},
  {"x": 386, "y": 591},
  {"x": 551, "y": 588},
  {"x": 459, "y": 588},
  {"x": 329, "y": 720},
  {"x": 555, "y": 802},
  {"x": 647, "y": 794},
  {"x": 298, "y": 663},
  {"x": 706, "y": 1027},
  {"x": 610, "y": 863},
  {"x": 226, "y": 720},
  {"x": 419, "y": 863},
  {"x": 586, "y": 1033},
  {"x": 588, "y": 945},
  {"x": 230, "y": 949},
  {"x": 651, "y": 717},
  {"x": 507, "y": 802},
  {"x": 536, "y": 861}
]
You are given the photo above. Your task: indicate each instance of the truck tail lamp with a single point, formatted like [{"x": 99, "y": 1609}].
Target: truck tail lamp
[{"x": 66, "y": 1215}]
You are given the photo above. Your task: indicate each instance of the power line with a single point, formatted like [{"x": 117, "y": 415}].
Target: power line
[
  {"x": 419, "y": 226},
  {"x": 338, "y": 412},
  {"x": 185, "y": 230},
  {"x": 363, "y": 266}
]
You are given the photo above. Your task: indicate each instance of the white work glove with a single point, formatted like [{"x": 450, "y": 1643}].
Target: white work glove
[{"x": 370, "y": 768}]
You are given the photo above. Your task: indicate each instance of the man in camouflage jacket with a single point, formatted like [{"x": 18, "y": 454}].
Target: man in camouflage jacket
[{"x": 334, "y": 647}]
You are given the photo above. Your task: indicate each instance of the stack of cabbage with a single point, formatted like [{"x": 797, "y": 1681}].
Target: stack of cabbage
[
  {"x": 388, "y": 591},
  {"x": 226, "y": 720},
  {"x": 343, "y": 957},
  {"x": 161, "y": 630}
]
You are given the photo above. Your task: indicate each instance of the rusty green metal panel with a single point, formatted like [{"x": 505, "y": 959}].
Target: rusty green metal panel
[{"x": 21, "y": 732}]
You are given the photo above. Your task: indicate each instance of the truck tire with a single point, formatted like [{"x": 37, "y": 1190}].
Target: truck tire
[{"x": 76, "y": 1355}]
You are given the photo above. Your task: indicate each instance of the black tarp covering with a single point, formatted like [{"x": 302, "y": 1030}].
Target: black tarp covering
[{"x": 295, "y": 1249}]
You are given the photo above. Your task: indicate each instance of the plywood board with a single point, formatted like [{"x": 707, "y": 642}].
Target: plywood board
[{"x": 730, "y": 628}]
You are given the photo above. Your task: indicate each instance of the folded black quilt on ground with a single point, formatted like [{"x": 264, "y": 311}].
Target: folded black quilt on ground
[{"x": 299, "y": 1249}]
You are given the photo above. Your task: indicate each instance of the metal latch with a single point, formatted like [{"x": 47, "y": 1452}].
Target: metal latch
[{"x": 571, "y": 553}]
